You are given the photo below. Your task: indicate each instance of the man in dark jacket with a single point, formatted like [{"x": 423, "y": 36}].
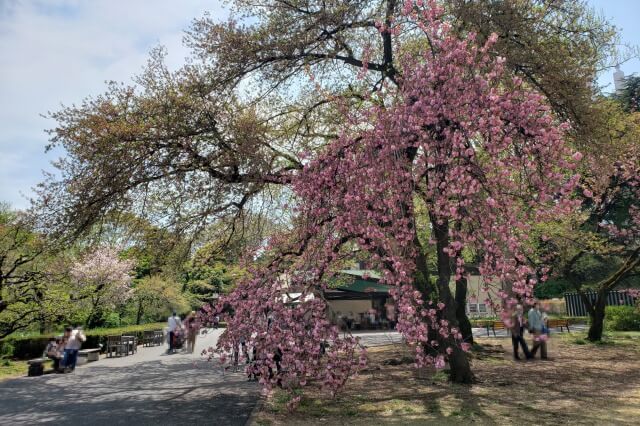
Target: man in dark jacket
[{"x": 517, "y": 333}]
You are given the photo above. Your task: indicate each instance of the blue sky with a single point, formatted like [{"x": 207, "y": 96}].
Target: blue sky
[
  {"x": 625, "y": 15},
  {"x": 55, "y": 52}
]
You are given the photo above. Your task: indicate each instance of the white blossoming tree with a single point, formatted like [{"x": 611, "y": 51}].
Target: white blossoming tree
[{"x": 102, "y": 280}]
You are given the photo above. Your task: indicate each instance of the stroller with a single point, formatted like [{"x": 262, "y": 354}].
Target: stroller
[{"x": 178, "y": 338}]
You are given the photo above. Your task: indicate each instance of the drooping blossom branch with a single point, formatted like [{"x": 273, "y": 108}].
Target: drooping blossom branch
[{"x": 480, "y": 149}]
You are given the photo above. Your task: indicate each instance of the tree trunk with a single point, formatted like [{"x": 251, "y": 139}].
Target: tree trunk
[
  {"x": 597, "y": 317},
  {"x": 461, "y": 304},
  {"x": 597, "y": 309},
  {"x": 139, "y": 313},
  {"x": 461, "y": 310},
  {"x": 460, "y": 367},
  {"x": 422, "y": 283},
  {"x": 42, "y": 321},
  {"x": 95, "y": 319},
  {"x": 43, "y": 326}
]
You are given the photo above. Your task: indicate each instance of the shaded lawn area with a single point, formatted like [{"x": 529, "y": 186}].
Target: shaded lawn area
[
  {"x": 584, "y": 383},
  {"x": 11, "y": 369}
]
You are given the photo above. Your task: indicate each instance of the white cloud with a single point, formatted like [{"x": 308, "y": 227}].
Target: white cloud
[{"x": 54, "y": 52}]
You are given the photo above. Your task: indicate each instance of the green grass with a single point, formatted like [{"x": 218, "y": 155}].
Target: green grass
[
  {"x": 608, "y": 338},
  {"x": 10, "y": 369},
  {"x": 623, "y": 334},
  {"x": 572, "y": 320},
  {"x": 464, "y": 412},
  {"x": 314, "y": 407},
  {"x": 440, "y": 376}
]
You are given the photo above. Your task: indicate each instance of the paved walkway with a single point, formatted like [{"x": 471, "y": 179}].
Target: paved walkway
[
  {"x": 148, "y": 388},
  {"x": 380, "y": 338}
]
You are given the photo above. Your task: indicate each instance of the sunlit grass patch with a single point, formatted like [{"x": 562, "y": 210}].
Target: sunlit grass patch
[{"x": 10, "y": 369}]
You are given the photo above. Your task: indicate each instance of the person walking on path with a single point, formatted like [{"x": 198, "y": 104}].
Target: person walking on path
[
  {"x": 192, "y": 323},
  {"x": 75, "y": 338},
  {"x": 236, "y": 355},
  {"x": 174, "y": 325},
  {"x": 391, "y": 314},
  {"x": 517, "y": 333},
  {"x": 545, "y": 321},
  {"x": 536, "y": 326}
]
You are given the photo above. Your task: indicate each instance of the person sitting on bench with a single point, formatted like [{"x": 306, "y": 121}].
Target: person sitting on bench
[{"x": 54, "y": 351}]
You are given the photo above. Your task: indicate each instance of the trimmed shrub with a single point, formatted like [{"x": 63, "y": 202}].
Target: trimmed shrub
[
  {"x": 112, "y": 320},
  {"x": 622, "y": 318},
  {"x": 6, "y": 350},
  {"x": 32, "y": 346}
]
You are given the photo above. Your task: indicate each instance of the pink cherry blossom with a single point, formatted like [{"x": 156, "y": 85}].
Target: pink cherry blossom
[
  {"x": 104, "y": 276},
  {"x": 484, "y": 160}
]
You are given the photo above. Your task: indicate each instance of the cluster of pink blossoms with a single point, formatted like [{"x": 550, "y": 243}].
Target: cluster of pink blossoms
[
  {"x": 102, "y": 271},
  {"x": 626, "y": 175},
  {"x": 480, "y": 149}
]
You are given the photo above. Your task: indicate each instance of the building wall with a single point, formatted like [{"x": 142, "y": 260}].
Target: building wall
[
  {"x": 477, "y": 306},
  {"x": 346, "y": 306},
  {"x": 476, "y": 300},
  {"x": 554, "y": 306}
]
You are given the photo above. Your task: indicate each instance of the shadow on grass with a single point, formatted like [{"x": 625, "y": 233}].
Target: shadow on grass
[{"x": 582, "y": 384}]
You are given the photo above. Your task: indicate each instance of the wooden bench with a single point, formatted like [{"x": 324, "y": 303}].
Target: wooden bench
[
  {"x": 116, "y": 346},
  {"x": 495, "y": 325},
  {"x": 36, "y": 367},
  {"x": 159, "y": 337},
  {"x": 559, "y": 323},
  {"x": 90, "y": 354},
  {"x": 131, "y": 343},
  {"x": 152, "y": 338},
  {"x": 149, "y": 338}
]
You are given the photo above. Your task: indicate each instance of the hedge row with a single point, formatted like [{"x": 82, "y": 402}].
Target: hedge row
[
  {"x": 29, "y": 347},
  {"x": 622, "y": 318}
]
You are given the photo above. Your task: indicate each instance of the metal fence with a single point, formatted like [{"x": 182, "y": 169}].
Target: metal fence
[{"x": 576, "y": 308}]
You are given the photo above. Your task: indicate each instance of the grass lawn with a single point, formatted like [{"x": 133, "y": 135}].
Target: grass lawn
[
  {"x": 584, "y": 383},
  {"x": 11, "y": 369}
]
